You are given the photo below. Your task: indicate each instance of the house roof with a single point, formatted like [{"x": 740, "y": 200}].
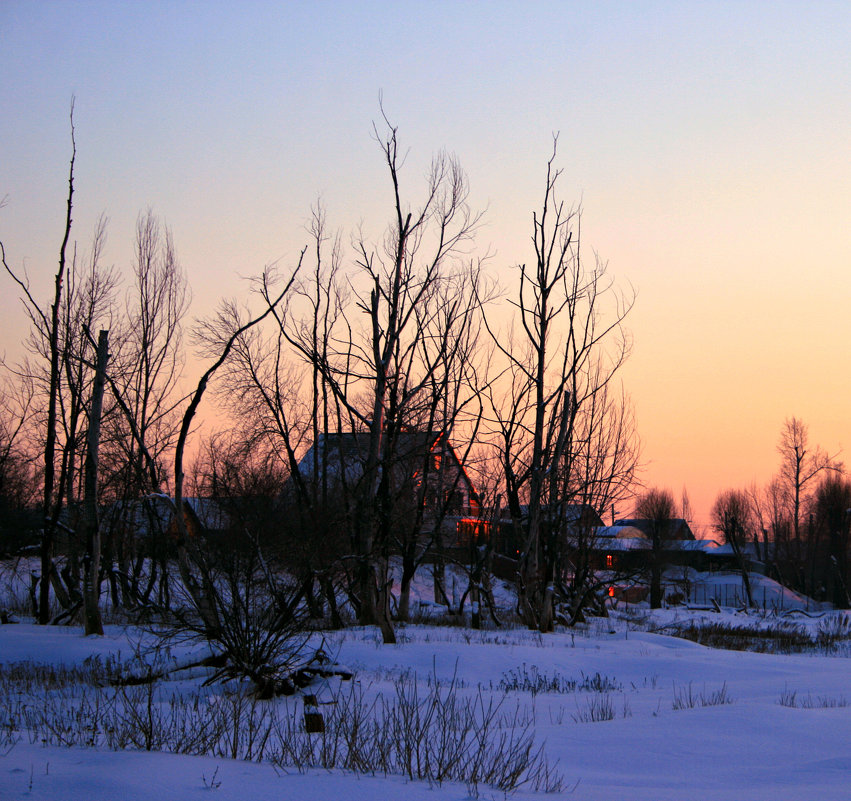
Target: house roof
[
  {"x": 347, "y": 451},
  {"x": 625, "y": 544},
  {"x": 679, "y": 528},
  {"x": 407, "y": 443},
  {"x": 620, "y": 532},
  {"x": 571, "y": 512},
  {"x": 153, "y": 513}
]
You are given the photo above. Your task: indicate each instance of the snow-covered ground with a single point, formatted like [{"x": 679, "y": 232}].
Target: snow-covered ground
[{"x": 750, "y": 748}]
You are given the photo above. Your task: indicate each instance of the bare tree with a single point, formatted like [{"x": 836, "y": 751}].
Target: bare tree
[
  {"x": 284, "y": 403},
  {"x": 375, "y": 363},
  {"x": 91, "y": 582},
  {"x": 61, "y": 373},
  {"x": 657, "y": 507},
  {"x": 144, "y": 377},
  {"x": 760, "y": 502},
  {"x": 598, "y": 472},
  {"x": 88, "y": 303},
  {"x": 450, "y": 403},
  {"x": 774, "y": 519},
  {"x": 686, "y": 510},
  {"x": 800, "y": 465},
  {"x": 217, "y": 338},
  {"x": 51, "y": 326},
  {"x": 567, "y": 348},
  {"x": 733, "y": 517}
]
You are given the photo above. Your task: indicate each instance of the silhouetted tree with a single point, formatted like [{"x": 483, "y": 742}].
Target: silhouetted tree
[
  {"x": 657, "y": 507},
  {"x": 733, "y": 517},
  {"x": 50, "y": 325},
  {"x": 143, "y": 378},
  {"x": 18, "y": 479},
  {"x": 800, "y": 465},
  {"x": 562, "y": 436},
  {"x": 411, "y": 299},
  {"x": 832, "y": 510}
]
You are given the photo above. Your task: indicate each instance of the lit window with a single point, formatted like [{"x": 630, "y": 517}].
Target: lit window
[
  {"x": 472, "y": 530},
  {"x": 610, "y": 560}
]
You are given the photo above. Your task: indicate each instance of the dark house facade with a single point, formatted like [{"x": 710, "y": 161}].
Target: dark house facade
[{"x": 425, "y": 476}]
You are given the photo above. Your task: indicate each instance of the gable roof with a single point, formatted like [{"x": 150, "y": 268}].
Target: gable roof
[
  {"x": 678, "y": 528},
  {"x": 346, "y": 453}
]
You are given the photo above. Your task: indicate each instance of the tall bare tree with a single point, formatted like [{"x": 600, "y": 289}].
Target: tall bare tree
[
  {"x": 374, "y": 361},
  {"x": 658, "y": 508},
  {"x": 91, "y": 582},
  {"x": 801, "y": 463},
  {"x": 51, "y": 326},
  {"x": 733, "y": 517},
  {"x": 144, "y": 379},
  {"x": 61, "y": 372},
  {"x": 567, "y": 347}
]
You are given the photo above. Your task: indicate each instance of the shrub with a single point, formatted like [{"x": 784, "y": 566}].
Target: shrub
[
  {"x": 832, "y": 630},
  {"x": 435, "y": 734}
]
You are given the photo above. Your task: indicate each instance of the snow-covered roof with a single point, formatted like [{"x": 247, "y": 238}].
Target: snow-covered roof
[
  {"x": 625, "y": 544},
  {"x": 619, "y": 532},
  {"x": 152, "y": 514}
]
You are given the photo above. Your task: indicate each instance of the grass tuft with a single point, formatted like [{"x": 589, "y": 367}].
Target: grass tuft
[{"x": 687, "y": 698}]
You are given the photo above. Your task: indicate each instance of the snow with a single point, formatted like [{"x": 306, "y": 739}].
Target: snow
[
  {"x": 752, "y": 748},
  {"x": 30, "y": 772}
]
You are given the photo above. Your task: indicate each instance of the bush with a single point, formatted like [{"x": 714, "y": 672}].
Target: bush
[
  {"x": 250, "y": 612},
  {"x": 434, "y": 735},
  {"x": 832, "y": 630}
]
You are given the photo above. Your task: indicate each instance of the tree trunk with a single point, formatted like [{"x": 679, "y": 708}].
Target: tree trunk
[
  {"x": 656, "y": 582},
  {"x": 50, "y": 436},
  {"x": 438, "y": 571},
  {"x": 91, "y": 580},
  {"x": 404, "y": 612},
  {"x": 409, "y": 570}
]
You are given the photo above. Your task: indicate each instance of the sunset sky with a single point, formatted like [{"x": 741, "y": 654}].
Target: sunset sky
[{"x": 709, "y": 144}]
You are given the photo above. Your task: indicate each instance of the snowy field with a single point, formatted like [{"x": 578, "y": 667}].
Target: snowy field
[{"x": 748, "y": 725}]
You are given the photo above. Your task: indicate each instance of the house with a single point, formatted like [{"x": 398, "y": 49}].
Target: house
[
  {"x": 424, "y": 469},
  {"x": 627, "y": 545},
  {"x": 572, "y": 520}
]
